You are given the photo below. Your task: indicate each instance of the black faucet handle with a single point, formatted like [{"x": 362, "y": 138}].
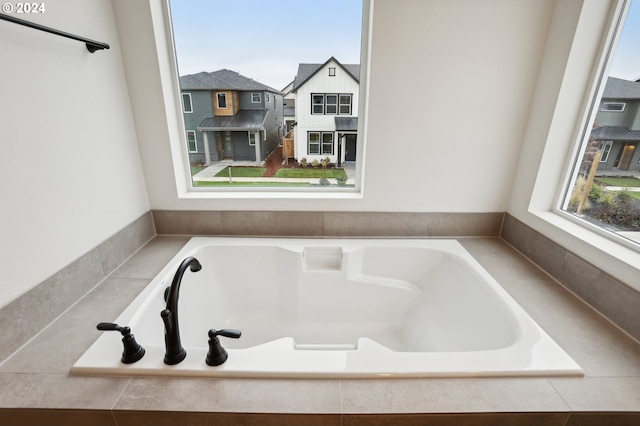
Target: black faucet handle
[
  {"x": 109, "y": 326},
  {"x": 217, "y": 354},
  {"x": 226, "y": 332},
  {"x": 132, "y": 351}
]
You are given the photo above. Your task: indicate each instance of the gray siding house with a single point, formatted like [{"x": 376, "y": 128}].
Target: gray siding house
[
  {"x": 229, "y": 116},
  {"x": 617, "y": 126}
]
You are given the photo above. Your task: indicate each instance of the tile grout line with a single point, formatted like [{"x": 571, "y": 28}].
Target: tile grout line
[
  {"x": 118, "y": 399},
  {"x": 569, "y": 409},
  {"x": 341, "y": 403}
]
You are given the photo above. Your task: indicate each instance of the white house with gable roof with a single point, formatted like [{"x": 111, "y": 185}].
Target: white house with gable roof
[{"x": 326, "y": 111}]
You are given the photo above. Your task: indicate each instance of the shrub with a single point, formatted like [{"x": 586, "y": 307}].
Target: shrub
[
  {"x": 595, "y": 193},
  {"x": 315, "y": 163},
  {"x": 623, "y": 197},
  {"x": 303, "y": 162}
]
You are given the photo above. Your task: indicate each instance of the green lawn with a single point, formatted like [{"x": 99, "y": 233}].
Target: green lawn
[
  {"x": 242, "y": 172},
  {"x": 624, "y": 182},
  {"x": 227, "y": 183},
  {"x": 197, "y": 169},
  {"x": 310, "y": 173}
]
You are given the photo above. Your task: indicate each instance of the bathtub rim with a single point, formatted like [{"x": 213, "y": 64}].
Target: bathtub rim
[{"x": 544, "y": 348}]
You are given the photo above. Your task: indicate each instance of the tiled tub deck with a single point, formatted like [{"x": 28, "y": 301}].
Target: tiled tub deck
[{"x": 37, "y": 389}]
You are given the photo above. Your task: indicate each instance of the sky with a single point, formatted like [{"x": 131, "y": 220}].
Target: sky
[
  {"x": 264, "y": 39},
  {"x": 626, "y": 61},
  {"x": 267, "y": 39}
]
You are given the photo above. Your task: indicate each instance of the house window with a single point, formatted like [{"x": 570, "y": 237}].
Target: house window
[
  {"x": 605, "y": 149},
  {"x": 191, "y": 141},
  {"x": 186, "y": 103},
  {"x": 252, "y": 138},
  {"x": 332, "y": 71},
  {"x": 222, "y": 100},
  {"x": 317, "y": 104},
  {"x": 313, "y": 144},
  {"x": 345, "y": 104},
  {"x": 592, "y": 198},
  {"x": 327, "y": 143},
  {"x": 331, "y": 104},
  {"x": 256, "y": 98},
  {"x": 613, "y": 106}
]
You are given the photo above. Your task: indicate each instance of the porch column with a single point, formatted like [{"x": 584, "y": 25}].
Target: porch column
[
  {"x": 207, "y": 151},
  {"x": 256, "y": 136}
]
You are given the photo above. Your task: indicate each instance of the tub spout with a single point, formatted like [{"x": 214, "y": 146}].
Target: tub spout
[{"x": 174, "y": 352}]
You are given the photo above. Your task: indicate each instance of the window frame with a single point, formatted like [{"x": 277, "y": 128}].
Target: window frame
[
  {"x": 349, "y": 105},
  {"x": 602, "y": 107},
  {"x": 575, "y": 55},
  {"x": 331, "y": 143},
  {"x": 334, "y": 106},
  {"x": 315, "y": 96},
  {"x": 184, "y": 105},
  {"x": 318, "y": 142},
  {"x": 332, "y": 71},
  {"x": 259, "y": 95},
  {"x": 195, "y": 141},
  {"x": 160, "y": 14},
  {"x": 605, "y": 148},
  {"x": 218, "y": 97}
]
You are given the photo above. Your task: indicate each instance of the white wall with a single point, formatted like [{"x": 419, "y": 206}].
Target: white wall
[
  {"x": 70, "y": 171},
  {"x": 451, "y": 83}
]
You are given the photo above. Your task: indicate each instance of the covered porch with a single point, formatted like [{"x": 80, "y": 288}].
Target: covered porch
[{"x": 237, "y": 138}]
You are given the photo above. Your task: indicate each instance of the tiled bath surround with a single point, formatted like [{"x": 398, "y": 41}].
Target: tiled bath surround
[
  {"x": 326, "y": 224},
  {"x": 34, "y": 310},
  {"x": 38, "y": 390},
  {"x": 612, "y": 298}
]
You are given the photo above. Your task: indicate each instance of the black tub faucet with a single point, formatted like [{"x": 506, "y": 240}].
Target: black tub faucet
[{"x": 174, "y": 352}]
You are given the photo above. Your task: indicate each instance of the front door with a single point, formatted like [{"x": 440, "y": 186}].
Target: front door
[
  {"x": 350, "y": 148},
  {"x": 627, "y": 153},
  {"x": 227, "y": 146}
]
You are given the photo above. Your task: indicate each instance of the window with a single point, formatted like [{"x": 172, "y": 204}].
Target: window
[
  {"x": 244, "y": 89},
  {"x": 313, "y": 146},
  {"x": 320, "y": 143},
  {"x": 345, "y": 104},
  {"x": 222, "y": 100},
  {"x": 327, "y": 143},
  {"x": 328, "y": 104},
  {"x": 186, "y": 103},
  {"x": 332, "y": 104},
  {"x": 191, "y": 141},
  {"x": 605, "y": 149},
  {"x": 613, "y": 106},
  {"x": 603, "y": 189},
  {"x": 317, "y": 104}
]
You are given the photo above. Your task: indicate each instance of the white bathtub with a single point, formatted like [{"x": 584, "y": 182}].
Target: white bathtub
[{"x": 334, "y": 308}]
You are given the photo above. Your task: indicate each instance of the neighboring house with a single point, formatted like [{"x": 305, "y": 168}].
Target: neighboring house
[
  {"x": 229, "y": 116},
  {"x": 326, "y": 111},
  {"x": 618, "y": 125},
  {"x": 289, "y": 106}
]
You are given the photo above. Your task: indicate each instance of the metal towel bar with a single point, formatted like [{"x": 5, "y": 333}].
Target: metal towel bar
[{"x": 92, "y": 45}]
